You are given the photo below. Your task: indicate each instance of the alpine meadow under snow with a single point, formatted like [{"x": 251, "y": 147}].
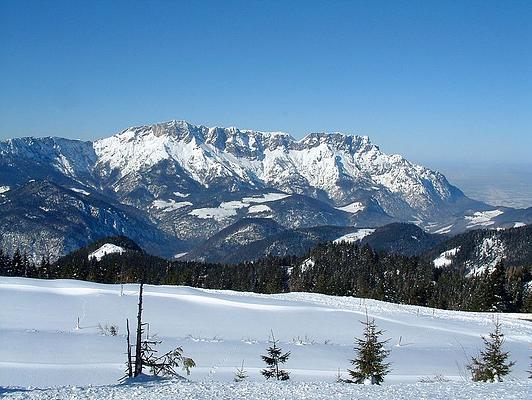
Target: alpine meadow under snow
[{"x": 45, "y": 346}]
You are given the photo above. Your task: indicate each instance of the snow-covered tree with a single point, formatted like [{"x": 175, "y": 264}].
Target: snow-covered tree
[
  {"x": 275, "y": 357},
  {"x": 492, "y": 364},
  {"x": 370, "y": 367},
  {"x": 240, "y": 373}
]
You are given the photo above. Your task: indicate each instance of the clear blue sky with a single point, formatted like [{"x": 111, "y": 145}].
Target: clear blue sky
[{"x": 433, "y": 80}]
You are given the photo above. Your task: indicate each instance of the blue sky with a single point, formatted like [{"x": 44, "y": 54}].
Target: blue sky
[{"x": 433, "y": 80}]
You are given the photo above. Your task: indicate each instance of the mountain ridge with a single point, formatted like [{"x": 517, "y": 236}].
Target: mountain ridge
[{"x": 190, "y": 181}]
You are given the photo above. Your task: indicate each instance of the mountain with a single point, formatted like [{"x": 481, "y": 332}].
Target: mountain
[
  {"x": 401, "y": 238},
  {"x": 46, "y": 219},
  {"x": 480, "y": 250},
  {"x": 254, "y": 238},
  {"x": 227, "y": 245},
  {"x": 178, "y": 184}
]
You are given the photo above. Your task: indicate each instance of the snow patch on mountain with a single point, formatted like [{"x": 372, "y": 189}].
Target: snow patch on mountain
[
  {"x": 170, "y": 205},
  {"x": 228, "y": 209},
  {"x": 308, "y": 263},
  {"x": 81, "y": 191},
  {"x": 182, "y": 195},
  {"x": 488, "y": 255},
  {"x": 218, "y": 213},
  {"x": 353, "y": 207},
  {"x": 446, "y": 258},
  {"x": 4, "y": 189},
  {"x": 265, "y": 198},
  {"x": 260, "y": 208},
  {"x": 107, "y": 248},
  {"x": 444, "y": 230},
  {"x": 482, "y": 218},
  {"x": 355, "y": 236}
]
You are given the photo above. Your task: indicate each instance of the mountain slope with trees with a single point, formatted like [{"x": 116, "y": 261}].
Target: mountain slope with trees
[{"x": 343, "y": 269}]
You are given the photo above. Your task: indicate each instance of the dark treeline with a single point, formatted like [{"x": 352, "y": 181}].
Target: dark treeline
[
  {"x": 346, "y": 269},
  {"x": 342, "y": 269}
]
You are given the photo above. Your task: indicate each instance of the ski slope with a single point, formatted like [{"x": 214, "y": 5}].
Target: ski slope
[{"x": 43, "y": 347}]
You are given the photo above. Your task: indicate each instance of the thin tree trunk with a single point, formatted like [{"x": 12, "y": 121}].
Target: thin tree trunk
[
  {"x": 129, "y": 364},
  {"x": 138, "y": 347}
]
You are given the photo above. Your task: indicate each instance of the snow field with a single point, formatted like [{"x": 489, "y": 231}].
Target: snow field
[
  {"x": 175, "y": 390},
  {"x": 219, "y": 329}
]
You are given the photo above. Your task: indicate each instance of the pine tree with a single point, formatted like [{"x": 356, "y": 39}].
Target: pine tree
[
  {"x": 497, "y": 289},
  {"x": 240, "y": 373},
  {"x": 16, "y": 265},
  {"x": 492, "y": 363},
  {"x": 4, "y": 263},
  {"x": 273, "y": 359},
  {"x": 369, "y": 363}
]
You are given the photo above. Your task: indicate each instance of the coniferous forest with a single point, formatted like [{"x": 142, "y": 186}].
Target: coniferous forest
[{"x": 342, "y": 269}]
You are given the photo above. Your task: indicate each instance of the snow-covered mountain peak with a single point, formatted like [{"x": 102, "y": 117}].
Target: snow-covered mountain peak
[{"x": 346, "y": 167}]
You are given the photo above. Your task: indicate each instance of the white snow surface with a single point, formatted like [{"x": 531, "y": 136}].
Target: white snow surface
[
  {"x": 444, "y": 230},
  {"x": 355, "y": 236},
  {"x": 446, "y": 258},
  {"x": 77, "y": 190},
  {"x": 4, "y": 189},
  {"x": 260, "y": 208},
  {"x": 228, "y": 209},
  {"x": 219, "y": 329},
  {"x": 482, "y": 218},
  {"x": 170, "y": 205},
  {"x": 353, "y": 207},
  {"x": 107, "y": 248},
  {"x": 215, "y": 390}
]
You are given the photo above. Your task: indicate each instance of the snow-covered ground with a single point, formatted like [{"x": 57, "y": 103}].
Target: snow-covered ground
[
  {"x": 215, "y": 390},
  {"x": 107, "y": 248},
  {"x": 355, "y": 236},
  {"x": 446, "y": 258},
  {"x": 229, "y": 209},
  {"x": 41, "y": 346}
]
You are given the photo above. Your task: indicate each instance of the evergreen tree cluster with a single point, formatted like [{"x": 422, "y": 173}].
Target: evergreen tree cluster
[
  {"x": 346, "y": 269},
  {"x": 343, "y": 269}
]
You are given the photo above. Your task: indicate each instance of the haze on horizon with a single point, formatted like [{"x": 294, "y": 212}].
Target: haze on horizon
[{"x": 438, "y": 82}]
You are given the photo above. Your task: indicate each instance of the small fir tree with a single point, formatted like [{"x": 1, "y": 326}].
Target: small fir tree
[
  {"x": 492, "y": 364},
  {"x": 275, "y": 357},
  {"x": 240, "y": 374},
  {"x": 369, "y": 363}
]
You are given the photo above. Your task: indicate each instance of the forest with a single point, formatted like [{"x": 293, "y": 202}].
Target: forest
[{"x": 342, "y": 269}]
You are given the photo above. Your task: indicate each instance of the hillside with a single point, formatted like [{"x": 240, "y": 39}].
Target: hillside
[
  {"x": 219, "y": 329},
  {"x": 480, "y": 250}
]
